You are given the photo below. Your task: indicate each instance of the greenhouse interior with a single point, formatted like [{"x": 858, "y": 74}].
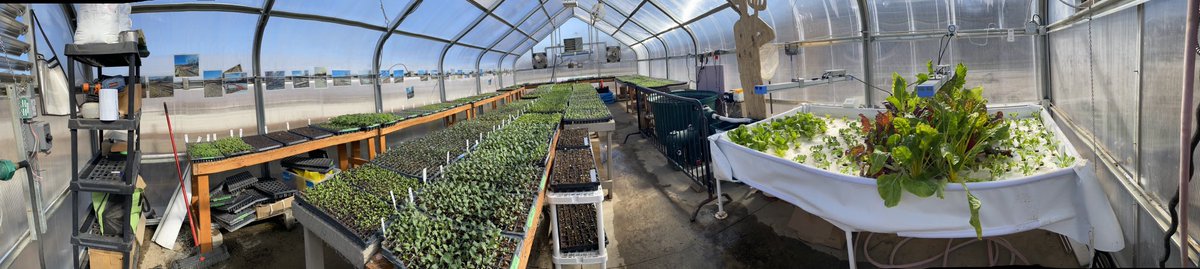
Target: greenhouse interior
[{"x": 599, "y": 134}]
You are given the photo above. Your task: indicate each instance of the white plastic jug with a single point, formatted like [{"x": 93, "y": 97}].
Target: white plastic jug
[{"x": 108, "y": 105}]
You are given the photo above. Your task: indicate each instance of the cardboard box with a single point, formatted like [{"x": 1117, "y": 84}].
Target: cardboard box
[
  {"x": 123, "y": 100},
  {"x": 816, "y": 230},
  {"x": 105, "y": 259},
  {"x": 272, "y": 209}
]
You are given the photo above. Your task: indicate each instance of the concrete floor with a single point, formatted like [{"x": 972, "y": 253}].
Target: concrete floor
[{"x": 648, "y": 226}]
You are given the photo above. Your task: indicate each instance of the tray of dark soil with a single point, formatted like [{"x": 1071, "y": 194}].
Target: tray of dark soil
[
  {"x": 587, "y": 120},
  {"x": 573, "y": 171},
  {"x": 245, "y": 199},
  {"x": 275, "y": 189},
  {"x": 239, "y": 181},
  {"x": 320, "y": 165},
  {"x": 261, "y": 143},
  {"x": 286, "y": 138},
  {"x": 311, "y": 133},
  {"x": 574, "y": 139},
  {"x": 577, "y": 228}
]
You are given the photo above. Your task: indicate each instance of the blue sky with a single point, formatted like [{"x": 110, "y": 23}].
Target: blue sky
[{"x": 223, "y": 40}]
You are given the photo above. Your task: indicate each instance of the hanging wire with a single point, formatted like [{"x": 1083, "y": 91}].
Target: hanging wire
[{"x": 384, "y": 11}]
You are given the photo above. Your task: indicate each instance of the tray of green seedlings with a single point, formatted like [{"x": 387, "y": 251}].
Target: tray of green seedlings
[
  {"x": 538, "y": 92},
  {"x": 336, "y": 128},
  {"x": 648, "y": 82},
  {"x": 586, "y": 115},
  {"x": 381, "y": 182},
  {"x": 416, "y": 240},
  {"x": 412, "y": 158},
  {"x": 574, "y": 139},
  {"x": 496, "y": 175},
  {"x": 518, "y": 144},
  {"x": 366, "y": 121},
  {"x": 203, "y": 152},
  {"x": 435, "y": 108},
  {"x": 468, "y": 202},
  {"x": 357, "y": 215},
  {"x": 538, "y": 118},
  {"x": 232, "y": 146}
]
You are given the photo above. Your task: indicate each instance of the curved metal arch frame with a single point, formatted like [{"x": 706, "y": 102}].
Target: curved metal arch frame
[
  {"x": 457, "y": 38},
  {"x": 478, "y": 59}
]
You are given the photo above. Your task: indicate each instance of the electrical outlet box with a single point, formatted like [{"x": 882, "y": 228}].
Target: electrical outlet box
[
  {"x": 791, "y": 49},
  {"x": 27, "y": 109},
  {"x": 37, "y": 137},
  {"x": 928, "y": 88}
]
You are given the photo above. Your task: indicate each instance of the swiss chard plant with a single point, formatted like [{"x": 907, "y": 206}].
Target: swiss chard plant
[{"x": 918, "y": 145}]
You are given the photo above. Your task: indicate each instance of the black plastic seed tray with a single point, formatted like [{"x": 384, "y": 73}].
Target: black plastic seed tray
[
  {"x": 345, "y": 231},
  {"x": 243, "y": 200},
  {"x": 231, "y": 220},
  {"x": 311, "y": 133},
  {"x": 219, "y": 198},
  {"x": 286, "y": 138},
  {"x": 275, "y": 189},
  {"x": 239, "y": 181},
  {"x": 587, "y": 121},
  {"x": 261, "y": 143},
  {"x": 320, "y": 165},
  {"x": 574, "y": 139},
  {"x": 577, "y": 228},
  {"x": 337, "y": 132}
]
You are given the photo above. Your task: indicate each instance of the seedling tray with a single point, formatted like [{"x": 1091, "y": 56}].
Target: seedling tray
[
  {"x": 286, "y": 138},
  {"x": 587, "y": 121},
  {"x": 574, "y": 139},
  {"x": 219, "y": 198},
  {"x": 194, "y": 159},
  {"x": 235, "y": 221},
  {"x": 104, "y": 168},
  {"x": 311, "y": 133},
  {"x": 245, "y": 199},
  {"x": 513, "y": 254},
  {"x": 240, "y": 153},
  {"x": 342, "y": 230},
  {"x": 261, "y": 143},
  {"x": 320, "y": 165},
  {"x": 239, "y": 181},
  {"x": 275, "y": 189},
  {"x": 337, "y": 132},
  {"x": 577, "y": 228},
  {"x": 562, "y": 180}
]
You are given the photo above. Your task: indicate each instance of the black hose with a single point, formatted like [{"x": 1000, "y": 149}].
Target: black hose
[{"x": 1175, "y": 202}]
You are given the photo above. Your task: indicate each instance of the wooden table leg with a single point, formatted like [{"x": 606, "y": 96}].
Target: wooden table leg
[
  {"x": 204, "y": 227},
  {"x": 383, "y": 144},
  {"x": 355, "y": 151},
  {"x": 343, "y": 157},
  {"x": 371, "y": 149}
]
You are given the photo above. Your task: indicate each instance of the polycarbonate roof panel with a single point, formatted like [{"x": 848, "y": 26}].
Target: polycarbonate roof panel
[
  {"x": 513, "y": 11},
  {"x": 715, "y": 31},
  {"x": 653, "y": 19},
  {"x": 251, "y": 3},
  {"x": 486, "y": 3},
  {"x": 537, "y": 20},
  {"x": 625, "y": 6},
  {"x": 636, "y": 32},
  {"x": 490, "y": 61},
  {"x": 685, "y": 10},
  {"x": 605, "y": 27},
  {"x": 512, "y": 40},
  {"x": 443, "y": 19},
  {"x": 367, "y": 11},
  {"x": 679, "y": 41},
  {"x": 486, "y": 32},
  {"x": 415, "y": 53},
  {"x": 624, "y": 38},
  {"x": 612, "y": 16}
]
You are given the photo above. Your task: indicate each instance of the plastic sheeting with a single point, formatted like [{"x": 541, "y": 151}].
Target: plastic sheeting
[{"x": 1067, "y": 201}]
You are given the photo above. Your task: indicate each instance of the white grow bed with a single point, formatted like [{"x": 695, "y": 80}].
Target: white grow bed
[{"x": 1067, "y": 201}]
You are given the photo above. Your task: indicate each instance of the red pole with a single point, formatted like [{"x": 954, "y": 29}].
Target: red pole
[{"x": 179, "y": 171}]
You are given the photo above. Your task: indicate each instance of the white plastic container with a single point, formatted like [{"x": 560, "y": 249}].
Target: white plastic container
[{"x": 108, "y": 105}]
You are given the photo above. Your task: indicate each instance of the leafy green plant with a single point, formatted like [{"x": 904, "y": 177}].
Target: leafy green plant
[
  {"x": 232, "y": 145},
  {"x": 422, "y": 241},
  {"x": 467, "y": 202},
  {"x": 1063, "y": 160},
  {"x": 358, "y": 212},
  {"x": 203, "y": 150},
  {"x": 646, "y": 82},
  {"x": 919, "y": 145},
  {"x": 380, "y": 182}
]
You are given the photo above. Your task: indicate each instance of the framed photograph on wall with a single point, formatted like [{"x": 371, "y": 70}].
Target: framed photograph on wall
[
  {"x": 319, "y": 77},
  {"x": 300, "y": 79},
  {"x": 212, "y": 83},
  {"x": 235, "y": 83},
  {"x": 160, "y": 86},
  {"x": 187, "y": 65},
  {"x": 341, "y": 78}
]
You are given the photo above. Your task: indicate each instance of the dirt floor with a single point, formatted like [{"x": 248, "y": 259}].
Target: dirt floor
[{"x": 648, "y": 226}]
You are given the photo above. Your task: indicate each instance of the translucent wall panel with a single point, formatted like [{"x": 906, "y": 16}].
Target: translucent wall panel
[
  {"x": 510, "y": 42},
  {"x": 55, "y": 23},
  {"x": 419, "y": 56},
  {"x": 685, "y": 10},
  {"x": 221, "y": 41},
  {"x": 444, "y": 18},
  {"x": 635, "y": 31},
  {"x": 811, "y": 62},
  {"x": 366, "y": 11},
  {"x": 655, "y": 48},
  {"x": 780, "y": 17},
  {"x": 680, "y": 42},
  {"x": 715, "y": 31},
  {"x": 486, "y": 32},
  {"x": 342, "y": 49},
  {"x": 682, "y": 69},
  {"x": 1161, "y": 81},
  {"x": 1004, "y": 69},
  {"x": 658, "y": 68},
  {"x": 983, "y": 14},
  {"x": 460, "y": 63},
  {"x": 508, "y": 64},
  {"x": 826, "y": 19},
  {"x": 489, "y": 67}
]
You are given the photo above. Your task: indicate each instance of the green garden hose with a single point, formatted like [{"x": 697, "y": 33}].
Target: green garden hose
[{"x": 7, "y": 170}]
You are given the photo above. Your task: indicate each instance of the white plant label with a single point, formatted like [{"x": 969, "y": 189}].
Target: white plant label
[
  {"x": 383, "y": 225},
  {"x": 425, "y": 175},
  {"x": 412, "y": 199},
  {"x": 1011, "y": 35},
  {"x": 393, "y": 199},
  {"x": 447, "y": 157},
  {"x": 288, "y": 125},
  {"x": 240, "y": 133}
]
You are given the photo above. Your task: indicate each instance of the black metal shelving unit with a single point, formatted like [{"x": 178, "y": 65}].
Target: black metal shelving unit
[{"x": 103, "y": 173}]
